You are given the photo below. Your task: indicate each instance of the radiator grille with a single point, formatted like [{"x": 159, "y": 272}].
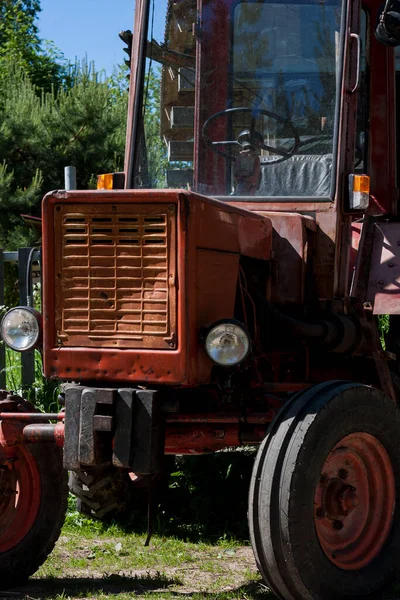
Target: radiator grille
[{"x": 117, "y": 276}]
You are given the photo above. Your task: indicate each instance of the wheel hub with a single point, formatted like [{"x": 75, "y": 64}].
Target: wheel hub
[
  {"x": 354, "y": 501},
  {"x": 338, "y": 499}
]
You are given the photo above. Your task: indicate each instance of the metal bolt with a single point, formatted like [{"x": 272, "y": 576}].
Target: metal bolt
[
  {"x": 338, "y": 525},
  {"x": 343, "y": 473},
  {"x": 171, "y": 207}
]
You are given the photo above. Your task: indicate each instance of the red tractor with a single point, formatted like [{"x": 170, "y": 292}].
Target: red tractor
[{"x": 225, "y": 290}]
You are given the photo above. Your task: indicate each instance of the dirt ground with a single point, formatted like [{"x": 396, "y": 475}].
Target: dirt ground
[{"x": 80, "y": 569}]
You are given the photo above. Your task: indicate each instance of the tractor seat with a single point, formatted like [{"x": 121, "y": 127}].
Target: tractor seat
[{"x": 301, "y": 175}]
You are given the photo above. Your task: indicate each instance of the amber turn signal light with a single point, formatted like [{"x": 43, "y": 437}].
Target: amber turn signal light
[{"x": 105, "y": 181}]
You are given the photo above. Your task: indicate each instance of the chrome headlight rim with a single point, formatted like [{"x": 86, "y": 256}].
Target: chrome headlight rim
[
  {"x": 37, "y": 326},
  {"x": 227, "y": 322}
]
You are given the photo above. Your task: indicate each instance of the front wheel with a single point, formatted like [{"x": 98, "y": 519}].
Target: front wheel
[
  {"x": 33, "y": 503},
  {"x": 323, "y": 516}
]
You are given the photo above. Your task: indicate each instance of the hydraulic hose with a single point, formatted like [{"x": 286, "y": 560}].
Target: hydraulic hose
[{"x": 338, "y": 332}]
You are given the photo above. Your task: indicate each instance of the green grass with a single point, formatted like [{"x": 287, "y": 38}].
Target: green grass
[
  {"x": 90, "y": 561},
  {"x": 43, "y": 393}
]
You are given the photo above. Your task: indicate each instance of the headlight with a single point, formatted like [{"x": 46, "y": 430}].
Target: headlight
[
  {"x": 227, "y": 344},
  {"x": 21, "y": 328}
]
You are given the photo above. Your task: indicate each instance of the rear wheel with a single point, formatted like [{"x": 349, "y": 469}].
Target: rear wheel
[
  {"x": 323, "y": 516},
  {"x": 33, "y": 503}
]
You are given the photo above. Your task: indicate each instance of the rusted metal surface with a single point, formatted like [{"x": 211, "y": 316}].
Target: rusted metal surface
[
  {"x": 228, "y": 228},
  {"x": 382, "y": 133},
  {"x": 44, "y": 433},
  {"x": 31, "y": 417},
  {"x": 216, "y": 274},
  {"x": 116, "y": 271},
  {"x": 181, "y": 439},
  {"x": 203, "y": 225},
  {"x": 112, "y": 364},
  {"x": 59, "y": 434},
  {"x": 222, "y": 418},
  {"x": 193, "y": 434},
  {"x": 289, "y": 242},
  {"x": 320, "y": 219},
  {"x": 384, "y": 280},
  {"x": 354, "y": 501}
]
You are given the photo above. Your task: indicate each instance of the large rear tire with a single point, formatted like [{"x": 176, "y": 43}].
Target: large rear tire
[
  {"x": 323, "y": 517},
  {"x": 33, "y": 503}
]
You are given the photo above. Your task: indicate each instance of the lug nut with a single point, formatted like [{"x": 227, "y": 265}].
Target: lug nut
[{"x": 338, "y": 525}]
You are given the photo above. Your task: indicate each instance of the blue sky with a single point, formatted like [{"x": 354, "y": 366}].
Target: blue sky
[{"x": 81, "y": 28}]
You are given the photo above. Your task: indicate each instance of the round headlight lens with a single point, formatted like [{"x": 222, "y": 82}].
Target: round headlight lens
[
  {"x": 227, "y": 344},
  {"x": 20, "y": 328}
]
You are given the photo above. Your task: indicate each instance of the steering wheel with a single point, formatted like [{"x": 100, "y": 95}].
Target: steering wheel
[{"x": 255, "y": 112}]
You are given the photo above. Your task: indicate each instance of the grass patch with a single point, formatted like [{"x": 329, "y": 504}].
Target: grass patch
[{"x": 90, "y": 561}]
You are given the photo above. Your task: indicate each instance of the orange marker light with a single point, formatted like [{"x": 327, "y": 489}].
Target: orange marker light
[
  {"x": 105, "y": 181},
  {"x": 361, "y": 183},
  {"x": 359, "y": 188}
]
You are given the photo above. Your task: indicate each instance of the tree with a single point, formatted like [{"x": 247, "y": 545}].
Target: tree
[
  {"x": 21, "y": 45},
  {"x": 156, "y": 151},
  {"x": 51, "y": 115},
  {"x": 83, "y": 125}
]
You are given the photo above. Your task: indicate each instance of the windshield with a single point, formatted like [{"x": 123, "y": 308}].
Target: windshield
[{"x": 241, "y": 98}]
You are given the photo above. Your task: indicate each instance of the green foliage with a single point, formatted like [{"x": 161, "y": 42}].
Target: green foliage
[
  {"x": 13, "y": 201},
  {"x": 43, "y": 393},
  {"x": 52, "y": 114},
  {"x": 82, "y": 125},
  {"x": 198, "y": 504},
  {"x": 21, "y": 46},
  {"x": 156, "y": 152},
  {"x": 383, "y": 326}
]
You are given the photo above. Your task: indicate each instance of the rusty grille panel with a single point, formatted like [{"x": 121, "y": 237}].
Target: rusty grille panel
[{"x": 116, "y": 270}]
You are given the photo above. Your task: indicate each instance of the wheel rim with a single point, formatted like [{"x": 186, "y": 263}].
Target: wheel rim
[
  {"x": 19, "y": 497},
  {"x": 354, "y": 501}
]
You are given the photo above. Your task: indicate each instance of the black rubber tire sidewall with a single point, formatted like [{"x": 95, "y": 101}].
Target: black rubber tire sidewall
[
  {"x": 353, "y": 410},
  {"x": 264, "y": 490}
]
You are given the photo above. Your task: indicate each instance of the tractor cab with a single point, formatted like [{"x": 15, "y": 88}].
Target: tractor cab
[{"x": 245, "y": 99}]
